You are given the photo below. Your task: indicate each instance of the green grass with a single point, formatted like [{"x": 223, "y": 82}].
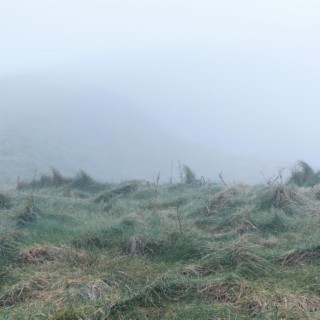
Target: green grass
[{"x": 73, "y": 248}]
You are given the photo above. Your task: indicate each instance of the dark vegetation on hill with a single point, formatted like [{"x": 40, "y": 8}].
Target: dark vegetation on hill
[{"x": 74, "y": 248}]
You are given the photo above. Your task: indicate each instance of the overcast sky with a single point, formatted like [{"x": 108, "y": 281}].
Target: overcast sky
[{"x": 241, "y": 75}]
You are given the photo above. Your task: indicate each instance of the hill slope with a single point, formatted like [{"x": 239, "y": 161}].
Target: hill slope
[
  {"x": 72, "y": 127},
  {"x": 74, "y": 248}
]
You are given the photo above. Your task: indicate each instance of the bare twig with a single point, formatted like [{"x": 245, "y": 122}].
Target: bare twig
[
  {"x": 180, "y": 171},
  {"x": 158, "y": 178},
  {"x": 221, "y": 178},
  {"x": 170, "y": 181},
  {"x": 209, "y": 187},
  {"x": 280, "y": 174},
  {"x": 272, "y": 180},
  {"x": 179, "y": 219},
  {"x": 34, "y": 180}
]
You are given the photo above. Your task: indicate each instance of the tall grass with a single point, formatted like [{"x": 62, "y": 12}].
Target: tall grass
[
  {"x": 304, "y": 175},
  {"x": 74, "y": 248},
  {"x": 5, "y": 202},
  {"x": 188, "y": 175}
]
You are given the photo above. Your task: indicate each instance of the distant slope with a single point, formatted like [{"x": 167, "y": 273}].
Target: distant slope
[{"x": 46, "y": 123}]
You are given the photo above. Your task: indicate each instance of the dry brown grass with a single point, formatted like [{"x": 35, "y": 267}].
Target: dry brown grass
[
  {"x": 39, "y": 254},
  {"x": 229, "y": 198},
  {"x": 23, "y": 292},
  {"x": 251, "y": 299},
  {"x": 299, "y": 257}
]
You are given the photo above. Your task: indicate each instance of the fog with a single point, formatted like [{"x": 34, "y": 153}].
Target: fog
[{"x": 123, "y": 88}]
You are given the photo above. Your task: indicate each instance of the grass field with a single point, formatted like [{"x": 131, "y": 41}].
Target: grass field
[{"x": 72, "y": 248}]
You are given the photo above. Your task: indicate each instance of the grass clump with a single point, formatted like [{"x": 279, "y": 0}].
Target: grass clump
[
  {"x": 121, "y": 190},
  {"x": 188, "y": 175},
  {"x": 272, "y": 222},
  {"x": 303, "y": 175},
  {"x": 5, "y": 202},
  {"x": 240, "y": 256},
  {"x": 301, "y": 256},
  {"x": 167, "y": 287},
  {"x": 27, "y": 213},
  {"x": 83, "y": 181},
  {"x": 201, "y": 310},
  {"x": 41, "y": 253},
  {"x": 227, "y": 200},
  {"x": 287, "y": 198},
  {"x": 172, "y": 246},
  {"x": 9, "y": 245},
  {"x": 116, "y": 236},
  {"x": 57, "y": 178}
]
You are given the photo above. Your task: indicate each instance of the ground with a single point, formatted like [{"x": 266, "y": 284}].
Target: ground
[{"x": 72, "y": 248}]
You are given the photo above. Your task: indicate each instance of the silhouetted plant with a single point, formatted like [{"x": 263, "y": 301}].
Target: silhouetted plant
[
  {"x": 57, "y": 177},
  {"x": 188, "y": 176},
  {"x": 304, "y": 175},
  {"x": 82, "y": 179}
]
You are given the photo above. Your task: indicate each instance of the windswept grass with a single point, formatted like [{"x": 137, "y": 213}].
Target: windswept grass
[
  {"x": 303, "y": 175},
  {"x": 9, "y": 245},
  {"x": 82, "y": 181},
  {"x": 73, "y": 248},
  {"x": 4, "y": 201},
  {"x": 121, "y": 190}
]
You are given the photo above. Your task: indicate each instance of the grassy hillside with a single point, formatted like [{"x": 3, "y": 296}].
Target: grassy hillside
[
  {"x": 72, "y": 248},
  {"x": 46, "y": 123}
]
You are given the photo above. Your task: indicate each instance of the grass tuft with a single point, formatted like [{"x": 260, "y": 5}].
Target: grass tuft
[
  {"x": 230, "y": 198},
  {"x": 5, "y": 202},
  {"x": 301, "y": 256},
  {"x": 9, "y": 245},
  {"x": 121, "y": 190},
  {"x": 41, "y": 253},
  {"x": 287, "y": 198},
  {"x": 27, "y": 214}
]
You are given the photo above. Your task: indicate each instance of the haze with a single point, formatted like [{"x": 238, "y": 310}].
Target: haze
[{"x": 227, "y": 80}]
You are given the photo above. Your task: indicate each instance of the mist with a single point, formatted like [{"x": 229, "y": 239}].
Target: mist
[{"x": 123, "y": 89}]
